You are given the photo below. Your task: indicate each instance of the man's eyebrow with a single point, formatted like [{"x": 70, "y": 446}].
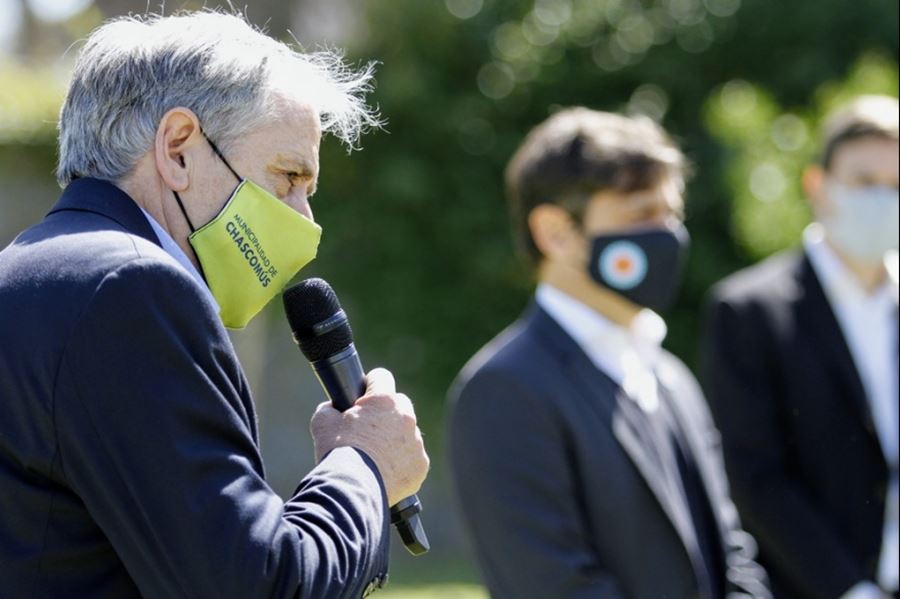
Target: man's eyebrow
[
  {"x": 296, "y": 164},
  {"x": 869, "y": 177},
  {"x": 642, "y": 200}
]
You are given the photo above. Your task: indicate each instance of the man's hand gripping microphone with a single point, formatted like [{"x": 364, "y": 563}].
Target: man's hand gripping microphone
[{"x": 322, "y": 331}]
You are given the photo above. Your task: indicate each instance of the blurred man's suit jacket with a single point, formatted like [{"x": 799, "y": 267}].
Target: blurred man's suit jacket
[
  {"x": 129, "y": 457},
  {"x": 565, "y": 490},
  {"x": 808, "y": 473}
]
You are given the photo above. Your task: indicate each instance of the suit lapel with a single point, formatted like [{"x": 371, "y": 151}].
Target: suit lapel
[
  {"x": 822, "y": 327},
  {"x": 627, "y": 426},
  {"x": 105, "y": 199},
  {"x": 625, "y": 420},
  {"x": 694, "y": 439}
]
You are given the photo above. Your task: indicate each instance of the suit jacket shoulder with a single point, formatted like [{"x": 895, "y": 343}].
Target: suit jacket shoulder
[
  {"x": 774, "y": 279},
  {"x": 520, "y": 356},
  {"x": 52, "y": 271}
]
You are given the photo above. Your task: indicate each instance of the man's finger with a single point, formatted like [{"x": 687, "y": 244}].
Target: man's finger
[
  {"x": 380, "y": 382},
  {"x": 325, "y": 406},
  {"x": 404, "y": 405}
]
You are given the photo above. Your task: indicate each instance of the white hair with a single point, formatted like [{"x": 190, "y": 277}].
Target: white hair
[{"x": 133, "y": 70}]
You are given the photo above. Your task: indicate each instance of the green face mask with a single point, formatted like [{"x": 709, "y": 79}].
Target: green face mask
[{"x": 250, "y": 251}]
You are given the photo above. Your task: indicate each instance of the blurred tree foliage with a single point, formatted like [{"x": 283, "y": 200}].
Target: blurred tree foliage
[
  {"x": 416, "y": 232},
  {"x": 29, "y": 104},
  {"x": 772, "y": 145},
  {"x": 417, "y": 240}
]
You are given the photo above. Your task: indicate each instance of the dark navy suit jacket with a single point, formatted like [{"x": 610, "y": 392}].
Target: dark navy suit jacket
[
  {"x": 809, "y": 475},
  {"x": 559, "y": 485},
  {"x": 129, "y": 461}
]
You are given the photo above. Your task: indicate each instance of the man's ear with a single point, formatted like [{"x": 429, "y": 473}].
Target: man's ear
[
  {"x": 814, "y": 186},
  {"x": 553, "y": 231},
  {"x": 178, "y": 138}
]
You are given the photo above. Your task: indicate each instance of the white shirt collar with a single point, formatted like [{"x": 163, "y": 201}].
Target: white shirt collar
[
  {"x": 627, "y": 355},
  {"x": 841, "y": 287},
  {"x": 173, "y": 249}
]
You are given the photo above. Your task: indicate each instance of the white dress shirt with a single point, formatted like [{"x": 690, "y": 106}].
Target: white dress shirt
[
  {"x": 173, "y": 249},
  {"x": 868, "y": 322},
  {"x": 628, "y": 356}
]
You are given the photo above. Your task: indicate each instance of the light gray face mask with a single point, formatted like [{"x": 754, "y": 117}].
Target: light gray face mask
[{"x": 864, "y": 222}]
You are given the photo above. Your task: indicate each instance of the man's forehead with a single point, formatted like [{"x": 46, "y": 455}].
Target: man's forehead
[
  {"x": 293, "y": 137},
  {"x": 867, "y": 147},
  {"x": 668, "y": 191},
  {"x": 869, "y": 155},
  {"x": 296, "y": 113}
]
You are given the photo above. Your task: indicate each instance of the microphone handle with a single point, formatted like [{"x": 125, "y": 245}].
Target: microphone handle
[
  {"x": 342, "y": 377},
  {"x": 344, "y": 381}
]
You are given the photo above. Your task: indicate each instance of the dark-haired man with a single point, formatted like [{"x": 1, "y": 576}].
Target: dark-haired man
[
  {"x": 586, "y": 463},
  {"x": 801, "y": 373}
]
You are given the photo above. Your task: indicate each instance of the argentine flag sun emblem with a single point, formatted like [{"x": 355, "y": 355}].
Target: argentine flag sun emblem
[{"x": 623, "y": 265}]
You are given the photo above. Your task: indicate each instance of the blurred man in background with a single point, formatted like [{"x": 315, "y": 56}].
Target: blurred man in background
[
  {"x": 801, "y": 365},
  {"x": 585, "y": 459},
  {"x": 129, "y": 456}
]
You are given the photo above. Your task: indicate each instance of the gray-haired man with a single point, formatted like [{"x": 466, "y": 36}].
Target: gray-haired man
[{"x": 129, "y": 461}]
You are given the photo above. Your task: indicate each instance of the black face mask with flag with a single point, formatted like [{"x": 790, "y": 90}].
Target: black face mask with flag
[{"x": 644, "y": 266}]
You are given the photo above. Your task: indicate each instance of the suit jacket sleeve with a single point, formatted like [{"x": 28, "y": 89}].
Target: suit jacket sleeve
[
  {"x": 155, "y": 438},
  {"x": 742, "y": 391},
  {"x": 514, "y": 478}
]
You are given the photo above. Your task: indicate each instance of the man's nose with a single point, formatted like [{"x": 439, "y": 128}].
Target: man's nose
[{"x": 298, "y": 199}]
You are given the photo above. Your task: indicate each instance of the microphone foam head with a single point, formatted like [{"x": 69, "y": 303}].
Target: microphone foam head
[{"x": 310, "y": 303}]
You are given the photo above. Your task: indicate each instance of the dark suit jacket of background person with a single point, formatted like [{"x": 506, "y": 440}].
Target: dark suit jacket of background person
[
  {"x": 129, "y": 458},
  {"x": 807, "y": 470},
  {"x": 557, "y": 488}
]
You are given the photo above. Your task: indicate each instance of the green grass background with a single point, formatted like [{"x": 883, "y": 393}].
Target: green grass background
[{"x": 434, "y": 591}]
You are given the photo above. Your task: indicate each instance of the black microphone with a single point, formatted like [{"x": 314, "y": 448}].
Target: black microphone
[{"x": 322, "y": 331}]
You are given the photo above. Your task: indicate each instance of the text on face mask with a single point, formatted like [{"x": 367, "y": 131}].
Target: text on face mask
[{"x": 249, "y": 246}]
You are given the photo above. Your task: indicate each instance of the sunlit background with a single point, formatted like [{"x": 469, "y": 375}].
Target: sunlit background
[{"x": 417, "y": 241}]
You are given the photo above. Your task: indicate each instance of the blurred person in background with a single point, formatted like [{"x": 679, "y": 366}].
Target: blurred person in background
[
  {"x": 129, "y": 453},
  {"x": 801, "y": 368},
  {"x": 583, "y": 453}
]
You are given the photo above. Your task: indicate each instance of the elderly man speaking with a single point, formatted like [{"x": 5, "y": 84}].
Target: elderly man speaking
[{"x": 129, "y": 457}]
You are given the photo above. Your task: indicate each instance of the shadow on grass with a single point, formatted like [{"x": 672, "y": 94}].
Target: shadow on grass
[{"x": 437, "y": 575}]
